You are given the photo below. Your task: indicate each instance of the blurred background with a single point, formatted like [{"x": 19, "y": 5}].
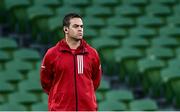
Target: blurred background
[{"x": 138, "y": 42}]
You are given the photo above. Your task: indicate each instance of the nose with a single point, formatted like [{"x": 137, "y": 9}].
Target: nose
[{"x": 80, "y": 29}]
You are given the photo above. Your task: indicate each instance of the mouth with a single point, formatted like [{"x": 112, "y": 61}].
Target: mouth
[{"x": 80, "y": 34}]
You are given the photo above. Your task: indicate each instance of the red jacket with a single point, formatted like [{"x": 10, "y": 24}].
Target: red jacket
[{"x": 70, "y": 79}]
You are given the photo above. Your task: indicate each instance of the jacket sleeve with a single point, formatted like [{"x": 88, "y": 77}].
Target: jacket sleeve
[
  {"x": 97, "y": 71},
  {"x": 46, "y": 72}
]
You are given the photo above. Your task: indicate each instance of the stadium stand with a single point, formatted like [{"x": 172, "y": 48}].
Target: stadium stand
[{"x": 138, "y": 42}]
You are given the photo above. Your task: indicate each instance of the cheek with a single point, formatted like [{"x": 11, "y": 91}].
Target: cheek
[{"x": 71, "y": 32}]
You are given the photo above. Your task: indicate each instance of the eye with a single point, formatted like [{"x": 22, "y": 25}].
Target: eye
[{"x": 75, "y": 26}]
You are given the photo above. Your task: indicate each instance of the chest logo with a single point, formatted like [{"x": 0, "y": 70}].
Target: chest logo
[{"x": 80, "y": 64}]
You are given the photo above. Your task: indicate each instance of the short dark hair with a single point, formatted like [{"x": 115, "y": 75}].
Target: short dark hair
[{"x": 66, "y": 20}]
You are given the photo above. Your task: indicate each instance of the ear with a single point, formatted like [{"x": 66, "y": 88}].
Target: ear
[{"x": 65, "y": 29}]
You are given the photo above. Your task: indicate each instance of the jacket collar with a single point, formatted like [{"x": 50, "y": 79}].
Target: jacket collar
[{"x": 64, "y": 47}]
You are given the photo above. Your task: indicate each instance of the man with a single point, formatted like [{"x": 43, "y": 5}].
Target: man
[{"x": 70, "y": 71}]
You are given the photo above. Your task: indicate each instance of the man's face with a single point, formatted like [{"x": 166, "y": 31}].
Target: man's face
[{"x": 75, "y": 29}]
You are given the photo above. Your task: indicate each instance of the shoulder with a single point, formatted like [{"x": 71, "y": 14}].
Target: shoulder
[
  {"x": 51, "y": 50},
  {"x": 51, "y": 53}
]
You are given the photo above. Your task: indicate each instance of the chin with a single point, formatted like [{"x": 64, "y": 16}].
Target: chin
[{"x": 77, "y": 39}]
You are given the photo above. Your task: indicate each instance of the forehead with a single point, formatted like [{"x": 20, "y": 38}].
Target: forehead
[{"x": 77, "y": 21}]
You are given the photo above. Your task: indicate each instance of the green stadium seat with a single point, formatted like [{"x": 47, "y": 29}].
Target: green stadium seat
[
  {"x": 38, "y": 16},
  {"x": 52, "y": 4},
  {"x": 53, "y": 27},
  {"x": 11, "y": 106},
  {"x": 178, "y": 52},
  {"x": 104, "y": 86},
  {"x": 5, "y": 88},
  {"x": 143, "y": 105},
  {"x": 142, "y": 31},
  {"x": 98, "y": 11},
  {"x": 22, "y": 98},
  {"x": 54, "y": 22},
  {"x": 20, "y": 66},
  {"x": 176, "y": 9},
  {"x": 106, "y": 46},
  {"x": 4, "y": 57},
  {"x": 77, "y": 3},
  {"x": 12, "y": 76},
  {"x": 90, "y": 33},
  {"x": 29, "y": 55},
  {"x": 36, "y": 11},
  {"x": 126, "y": 60},
  {"x": 175, "y": 62},
  {"x": 44, "y": 98},
  {"x": 174, "y": 19},
  {"x": 169, "y": 77},
  {"x": 127, "y": 10},
  {"x": 109, "y": 3},
  {"x": 150, "y": 21},
  {"x": 34, "y": 75},
  {"x": 11, "y": 4},
  {"x": 94, "y": 22},
  {"x": 120, "y": 21},
  {"x": 38, "y": 65},
  {"x": 1, "y": 100},
  {"x": 158, "y": 10},
  {"x": 165, "y": 42},
  {"x": 170, "y": 31},
  {"x": 99, "y": 97},
  {"x": 40, "y": 107},
  {"x": 135, "y": 2},
  {"x": 148, "y": 63},
  {"x": 164, "y": 2},
  {"x": 136, "y": 42},
  {"x": 112, "y": 106},
  {"x": 68, "y": 9},
  {"x": 17, "y": 12},
  {"x": 30, "y": 86},
  {"x": 8, "y": 45},
  {"x": 160, "y": 52},
  {"x": 107, "y": 42},
  {"x": 49, "y": 3},
  {"x": 150, "y": 74},
  {"x": 114, "y": 32},
  {"x": 121, "y": 95}
]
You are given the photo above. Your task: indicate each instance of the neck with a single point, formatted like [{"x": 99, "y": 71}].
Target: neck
[{"x": 73, "y": 43}]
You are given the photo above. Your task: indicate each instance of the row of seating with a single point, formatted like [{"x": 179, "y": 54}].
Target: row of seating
[
  {"x": 138, "y": 42},
  {"x": 25, "y": 64},
  {"x": 130, "y": 61},
  {"x": 19, "y": 82},
  {"x": 44, "y": 22},
  {"x": 121, "y": 99}
]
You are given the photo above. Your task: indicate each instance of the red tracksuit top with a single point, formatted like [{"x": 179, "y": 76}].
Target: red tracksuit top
[{"x": 70, "y": 79}]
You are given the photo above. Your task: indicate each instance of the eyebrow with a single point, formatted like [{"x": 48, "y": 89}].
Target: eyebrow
[{"x": 77, "y": 25}]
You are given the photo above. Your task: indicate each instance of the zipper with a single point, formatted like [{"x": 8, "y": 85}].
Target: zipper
[{"x": 76, "y": 93}]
